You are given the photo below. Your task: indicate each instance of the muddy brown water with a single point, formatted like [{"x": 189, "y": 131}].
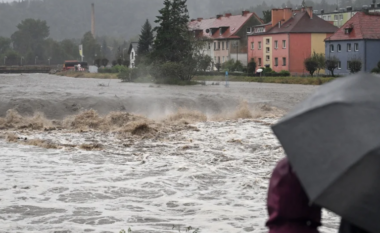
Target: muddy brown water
[{"x": 213, "y": 178}]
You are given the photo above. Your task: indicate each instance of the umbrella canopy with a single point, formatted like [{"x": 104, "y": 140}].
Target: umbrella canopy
[{"x": 332, "y": 141}]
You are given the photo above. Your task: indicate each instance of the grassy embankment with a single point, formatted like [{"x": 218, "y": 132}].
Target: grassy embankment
[{"x": 281, "y": 80}]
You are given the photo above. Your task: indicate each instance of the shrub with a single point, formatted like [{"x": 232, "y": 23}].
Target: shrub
[
  {"x": 332, "y": 64},
  {"x": 311, "y": 65},
  {"x": 218, "y": 66},
  {"x": 118, "y": 69},
  {"x": 251, "y": 67},
  {"x": 375, "y": 70},
  {"x": 284, "y": 73},
  {"x": 125, "y": 75},
  {"x": 355, "y": 65},
  {"x": 238, "y": 66}
]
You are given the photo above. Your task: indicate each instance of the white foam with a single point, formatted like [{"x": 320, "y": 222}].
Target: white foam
[{"x": 214, "y": 179}]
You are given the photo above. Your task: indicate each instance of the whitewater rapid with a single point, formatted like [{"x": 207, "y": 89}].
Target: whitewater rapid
[{"x": 213, "y": 178}]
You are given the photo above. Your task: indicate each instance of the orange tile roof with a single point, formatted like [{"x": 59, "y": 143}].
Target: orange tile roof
[{"x": 363, "y": 25}]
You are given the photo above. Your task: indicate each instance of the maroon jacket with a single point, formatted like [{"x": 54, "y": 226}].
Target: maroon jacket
[{"x": 288, "y": 205}]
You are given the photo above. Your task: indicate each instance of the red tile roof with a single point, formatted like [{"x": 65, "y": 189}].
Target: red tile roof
[
  {"x": 364, "y": 26},
  {"x": 232, "y": 25},
  {"x": 302, "y": 23}
]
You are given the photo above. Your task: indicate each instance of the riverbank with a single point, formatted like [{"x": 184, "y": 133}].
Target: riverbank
[{"x": 278, "y": 80}]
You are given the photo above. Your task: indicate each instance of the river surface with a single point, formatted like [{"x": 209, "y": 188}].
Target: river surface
[{"x": 213, "y": 177}]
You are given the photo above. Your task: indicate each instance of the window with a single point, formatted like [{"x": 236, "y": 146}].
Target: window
[
  {"x": 223, "y": 59},
  {"x": 284, "y": 44},
  {"x": 336, "y": 17},
  {"x": 348, "y": 47},
  {"x": 341, "y": 17},
  {"x": 356, "y": 47},
  {"x": 259, "y": 61},
  {"x": 252, "y": 45},
  {"x": 215, "y": 59},
  {"x": 339, "y": 48},
  {"x": 276, "y": 61},
  {"x": 249, "y": 30},
  {"x": 227, "y": 45},
  {"x": 259, "y": 44},
  {"x": 209, "y": 46},
  {"x": 267, "y": 58},
  {"x": 267, "y": 49},
  {"x": 214, "y": 45},
  {"x": 339, "y": 65},
  {"x": 219, "y": 45},
  {"x": 267, "y": 41},
  {"x": 332, "y": 48},
  {"x": 223, "y": 45},
  {"x": 284, "y": 61},
  {"x": 218, "y": 59},
  {"x": 348, "y": 65},
  {"x": 275, "y": 44},
  {"x": 347, "y": 30}
]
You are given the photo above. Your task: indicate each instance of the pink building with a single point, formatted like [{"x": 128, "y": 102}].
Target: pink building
[{"x": 292, "y": 36}]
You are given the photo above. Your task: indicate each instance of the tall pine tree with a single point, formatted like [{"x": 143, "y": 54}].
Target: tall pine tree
[
  {"x": 145, "y": 40},
  {"x": 173, "y": 43}
]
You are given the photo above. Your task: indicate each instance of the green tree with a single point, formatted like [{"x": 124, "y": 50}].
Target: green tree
[
  {"x": 30, "y": 37},
  {"x": 321, "y": 61},
  {"x": 251, "y": 67},
  {"x": 332, "y": 64},
  {"x": 172, "y": 41},
  {"x": 204, "y": 62},
  {"x": 145, "y": 40},
  {"x": 91, "y": 48},
  {"x": 5, "y": 44},
  {"x": 311, "y": 65},
  {"x": 267, "y": 16},
  {"x": 105, "y": 62},
  {"x": 355, "y": 65},
  {"x": 71, "y": 49},
  {"x": 13, "y": 58}
]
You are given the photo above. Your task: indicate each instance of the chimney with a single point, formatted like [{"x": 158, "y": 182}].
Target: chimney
[
  {"x": 228, "y": 14},
  {"x": 199, "y": 19},
  {"x": 219, "y": 16},
  {"x": 244, "y": 13},
  {"x": 93, "y": 20},
  {"x": 309, "y": 10}
]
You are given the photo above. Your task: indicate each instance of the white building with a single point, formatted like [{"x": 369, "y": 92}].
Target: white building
[{"x": 132, "y": 54}]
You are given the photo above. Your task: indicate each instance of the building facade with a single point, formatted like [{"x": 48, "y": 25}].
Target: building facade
[
  {"x": 291, "y": 37},
  {"x": 341, "y": 16},
  {"x": 132, "y": 54},
  {"x": 358, "y": 39},
  {"x": 225, "y": 36}
]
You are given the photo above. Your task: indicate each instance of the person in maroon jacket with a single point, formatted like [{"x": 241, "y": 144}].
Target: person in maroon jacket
[{"x": 288, "y": 205}]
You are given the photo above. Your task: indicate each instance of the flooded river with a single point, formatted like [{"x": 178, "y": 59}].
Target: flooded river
[{"x": 211, "y": 175}]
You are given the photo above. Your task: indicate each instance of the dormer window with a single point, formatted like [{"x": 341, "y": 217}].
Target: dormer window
[
  {"x": 249, "y": 30},
  {"x": 347, "y": 31}
]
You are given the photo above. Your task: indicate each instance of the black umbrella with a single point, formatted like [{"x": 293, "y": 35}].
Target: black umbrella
[{"x": 332, "y": 141}]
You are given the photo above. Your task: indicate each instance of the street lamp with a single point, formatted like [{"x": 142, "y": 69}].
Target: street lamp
[
  {"x": 35, "y": 60},
  {"x": 21, "y": 60},
  {"x": 123, "y": 53},
  {"x": 5, "y": 58}
]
